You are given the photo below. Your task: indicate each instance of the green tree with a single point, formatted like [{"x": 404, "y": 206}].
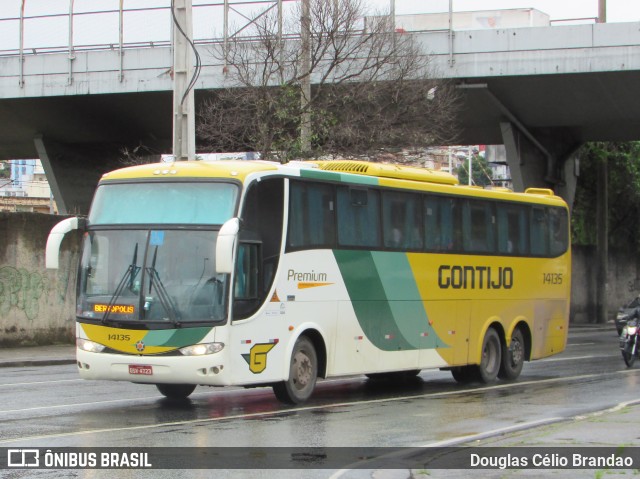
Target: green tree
[
  {"x": 371, "y": 88},
  {"x": 481, "y": 172},
  {"x": 623, "y": 162}
]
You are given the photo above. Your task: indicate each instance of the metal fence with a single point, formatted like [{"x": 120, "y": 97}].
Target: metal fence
[{"x": 47, "y": 26}]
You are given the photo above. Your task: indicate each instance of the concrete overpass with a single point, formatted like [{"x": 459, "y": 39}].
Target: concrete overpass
[{"x": 541, "y": 91}]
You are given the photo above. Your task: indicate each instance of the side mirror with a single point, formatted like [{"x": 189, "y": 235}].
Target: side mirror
[
  {"x": 227, "y": 238},
  {"x": 55, "y": 239}
]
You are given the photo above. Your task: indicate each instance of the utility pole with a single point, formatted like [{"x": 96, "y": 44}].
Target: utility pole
[
  {"x": 602, "y": 11},
  {"x": 184, "y": 123}
]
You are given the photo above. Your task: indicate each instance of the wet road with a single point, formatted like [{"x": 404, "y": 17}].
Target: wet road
[{"x": 50, "y": 407}]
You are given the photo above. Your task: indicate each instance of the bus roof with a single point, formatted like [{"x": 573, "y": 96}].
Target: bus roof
[
  {"x": 347, "y": 171},
  {"x": 232, "y": 169}
]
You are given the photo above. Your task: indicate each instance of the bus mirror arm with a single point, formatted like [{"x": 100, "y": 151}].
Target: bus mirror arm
[
  {"x": 225, "y": 246},
  {"x": 56, "y": 236}
]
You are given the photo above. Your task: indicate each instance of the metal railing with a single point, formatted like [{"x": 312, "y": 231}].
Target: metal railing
[
  {"x": 222, "y": 8},
  {"x": 80, "y": 26}
]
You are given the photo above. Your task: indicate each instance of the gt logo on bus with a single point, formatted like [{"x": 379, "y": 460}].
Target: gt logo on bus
[{"x": 257, "y": 357}]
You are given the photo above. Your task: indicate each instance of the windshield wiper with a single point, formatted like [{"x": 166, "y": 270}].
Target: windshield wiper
[
  {"x": 163, "y": 295},
  {"x": 129, "y": 275}
]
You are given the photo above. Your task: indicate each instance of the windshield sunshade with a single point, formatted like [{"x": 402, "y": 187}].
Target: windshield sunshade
[{"x": 163, "y": 203}]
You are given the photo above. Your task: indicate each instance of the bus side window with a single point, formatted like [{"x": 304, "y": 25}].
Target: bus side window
[
  {"x": 559, "y": 236},
  {"x": 311, "y": 215},
  {"x": 478, "y": 226},
  {"x": 442, "y": 230},
  {"x": 512, "y": 229},
  {"x": 358, "y": 217},
  {"x": 402, "y": 221},
  {"x": 247, "y": 279},
  {"x": 539, "y": 232}
]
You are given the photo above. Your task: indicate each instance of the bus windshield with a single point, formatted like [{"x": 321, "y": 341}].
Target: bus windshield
[
  {"x": 164, "y": 203},
  {"x": 149, "y": 275}
]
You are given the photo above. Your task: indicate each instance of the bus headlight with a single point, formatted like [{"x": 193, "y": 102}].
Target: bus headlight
[
  {"x": 89, "y": 346},
  {"x": 202, "y": 349}
]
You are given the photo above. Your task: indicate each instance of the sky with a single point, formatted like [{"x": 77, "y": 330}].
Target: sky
[
  {"x": 617, "y": 10},
  {"x": 102, "y": 28}
]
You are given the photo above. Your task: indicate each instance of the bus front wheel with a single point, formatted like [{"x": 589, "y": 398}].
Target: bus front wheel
[
  {"x": 513, "y": 357},
  {"x": 303, "y": 373},
  {"x": 491, "y": 357},
  {"x": 176, "y": 391}
]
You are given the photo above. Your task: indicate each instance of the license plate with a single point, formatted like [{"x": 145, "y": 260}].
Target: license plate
[{"x": 140, "y": 369}]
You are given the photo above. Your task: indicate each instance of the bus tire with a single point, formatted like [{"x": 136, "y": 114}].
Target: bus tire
[
  {"x": 464, "y": 374},
  {"x": 176, "y": 391},
  {"x": 303, "y": 373},
  {"x": 513, "y": 357},
  {"x": 491, "y": 358}
]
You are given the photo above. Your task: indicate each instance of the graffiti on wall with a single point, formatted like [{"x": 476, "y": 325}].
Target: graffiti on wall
[{"x": 21, "y": 289}]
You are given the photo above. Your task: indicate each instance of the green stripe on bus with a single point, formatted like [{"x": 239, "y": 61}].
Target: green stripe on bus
[
  {"x": 386, "y": 300},
  {"x": 404, "y": 299},
  {"x": 176, "y": 338},
  {"x": 333, "y": 176}
]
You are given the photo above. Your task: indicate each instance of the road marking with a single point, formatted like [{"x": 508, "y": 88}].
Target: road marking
[
  {"x": 574, "y": 358},
  {"x": 494, "y": 432},
  {"x": 292, "y": 410},
  {"x": 41, "y": 382}
]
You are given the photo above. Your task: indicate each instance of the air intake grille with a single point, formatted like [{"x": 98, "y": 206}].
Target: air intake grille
[{"x": 346, "y": 166}]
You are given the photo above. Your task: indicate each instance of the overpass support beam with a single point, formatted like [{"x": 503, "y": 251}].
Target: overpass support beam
[
  {"x": 73, "y": 171},
  {"x": 553, "y": 166}
]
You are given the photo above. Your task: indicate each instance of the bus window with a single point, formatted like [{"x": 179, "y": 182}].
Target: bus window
[
  {"x": 358, "y": 217},
  {"x": 539, "y": 232},
  {"x": 442, "y": 230},
  {"x": 478, "y": 226},
  {"x": 402, "y": 221},
  {"x": 311, "y": 216},
  {"x": 558, "y": 222},
  {"x": 512, "y": 229}
]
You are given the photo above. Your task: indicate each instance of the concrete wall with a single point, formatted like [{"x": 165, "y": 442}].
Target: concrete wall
[
  {"x": 623, "y": 282},
  {"x": 37, "y": 306}
]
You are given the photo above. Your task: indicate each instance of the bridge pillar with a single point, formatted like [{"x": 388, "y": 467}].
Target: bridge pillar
[
  {"x": 73, "y": 171},
  {"x": 551, "y": 163}
]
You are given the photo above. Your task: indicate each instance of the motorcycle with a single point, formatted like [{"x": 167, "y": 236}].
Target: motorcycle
[{"x": 629, "y": 341}]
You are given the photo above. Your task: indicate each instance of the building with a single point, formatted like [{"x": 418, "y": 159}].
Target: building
[{"x": 27, "y": 189}]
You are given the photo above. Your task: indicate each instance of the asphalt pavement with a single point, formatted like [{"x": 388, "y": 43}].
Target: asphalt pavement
[{"x": 616, "y": 427}]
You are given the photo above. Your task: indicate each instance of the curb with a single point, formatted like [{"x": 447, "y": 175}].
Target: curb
[{"x": 35, "y": 362}]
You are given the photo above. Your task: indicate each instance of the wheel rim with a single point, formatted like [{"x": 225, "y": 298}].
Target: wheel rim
[
  {"x": 517, "y": 352},
  {"x": 302, "y": 370}
]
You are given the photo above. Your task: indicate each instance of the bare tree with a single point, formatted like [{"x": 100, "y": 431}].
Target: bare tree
[{"x": 371, "y": 88}]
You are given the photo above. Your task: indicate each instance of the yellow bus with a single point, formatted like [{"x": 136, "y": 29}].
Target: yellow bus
[{"x": 260, "y": 274}]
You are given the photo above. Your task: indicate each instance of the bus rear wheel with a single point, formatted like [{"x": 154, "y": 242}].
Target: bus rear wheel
[
  {"x": 491, "y": 360},
  {"x": 303, "y": 373},
  {"x": 176, "y": 391},
  {"x": 513, "y": 357},
  {"x": 464, "y": 374}
]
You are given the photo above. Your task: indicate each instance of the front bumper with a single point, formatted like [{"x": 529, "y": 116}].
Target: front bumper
[{"x": 207, "y": 369}]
